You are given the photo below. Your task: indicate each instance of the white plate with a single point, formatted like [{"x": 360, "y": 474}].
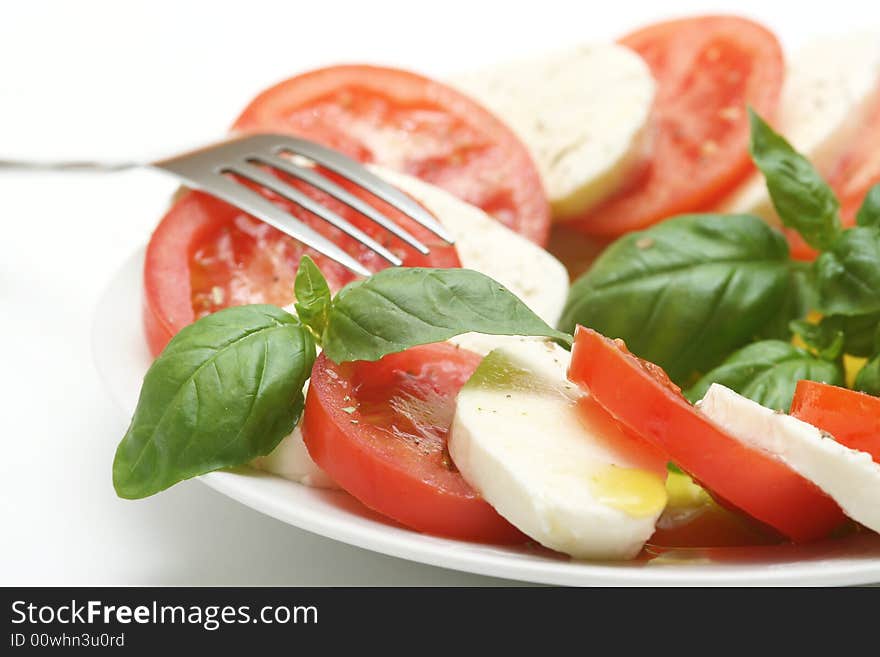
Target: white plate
[{"x": 122, "y": 359}]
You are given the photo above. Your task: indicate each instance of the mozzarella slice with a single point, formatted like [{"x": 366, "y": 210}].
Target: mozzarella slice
[
  {"x": 850, "y": 477},
  {"x": 484, "y": 245},
  {"x": 557, "y": 473},
  {"x": 826, "y": 96},
  {"x": 582, "y": 113}
]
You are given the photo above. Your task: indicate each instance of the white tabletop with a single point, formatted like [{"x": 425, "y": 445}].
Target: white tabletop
[{"x": 137, "y": 79}]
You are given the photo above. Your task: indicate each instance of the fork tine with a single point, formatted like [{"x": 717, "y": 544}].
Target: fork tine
[
  {"x": 358, "y": 174},
  {"x": 267, "y": 180},
  {"x": 253, "y": 203},
  {"x": 312, "y": 177}
]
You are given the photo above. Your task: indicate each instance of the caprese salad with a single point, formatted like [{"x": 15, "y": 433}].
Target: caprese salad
[{"x": 712, "y": 379}]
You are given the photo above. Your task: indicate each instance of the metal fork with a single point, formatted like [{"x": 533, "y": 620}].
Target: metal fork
[{"x": 208, "y": 169}]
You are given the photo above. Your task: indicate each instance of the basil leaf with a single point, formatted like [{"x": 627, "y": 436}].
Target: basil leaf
[
  {"x": 869, "y": 213},
  {"x": 312, "y": 296},
  {"x": 225, "y": 390},
  {"x": 868, "y": 378},
  {"x": 399, "y": 308},
  {"x": 803, "y": 200},
  {"x": 825, "y": 339},
  {"x": 860, "y": 332},
  {"x": 687, "y": 291},
  {"x": 767, "y": 372},
  {"x": 798, "y": 302},
  {"x": 847, "y": 276}
]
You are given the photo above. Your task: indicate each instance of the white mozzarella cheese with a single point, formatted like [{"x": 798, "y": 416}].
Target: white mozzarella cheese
[
  {"x": 828, "y": 90},
  {"x": 582, "y": 113},
  {"x": 850, "y": 477},
  {"x": 484, "y": 245},
  {"x": 555, "y": 473}
]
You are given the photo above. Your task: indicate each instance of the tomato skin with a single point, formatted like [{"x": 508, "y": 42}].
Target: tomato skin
[
  {"x": 852, "y": 417},
  {"x": 708, "y": 69},
  {"x": 167, "y": 304},
  {"x": 415, "y": 487},
  {"x": 642, "y": 398},
  {"x": 413, "y": 124},
  {"x": 203, "y": 243}
]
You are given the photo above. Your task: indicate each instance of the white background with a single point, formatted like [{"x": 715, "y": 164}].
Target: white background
[{"x": 137, "y": 79}]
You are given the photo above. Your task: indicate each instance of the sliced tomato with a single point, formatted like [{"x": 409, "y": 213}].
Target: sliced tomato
[
  {"x": 852, "y": 417},
  {"x": 708, "y": 70},
  {"x": 415, "y": 125},
  {"x": 641, "y": 396},
  {"x": 206, "y": 255},
  {"x": 379, "y": 430}
]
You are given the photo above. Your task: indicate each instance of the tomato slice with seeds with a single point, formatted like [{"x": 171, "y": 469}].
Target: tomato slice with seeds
[
  {"x": 852, "y": 417},
  {"x": 708, "y": 69},
  {"x": 206, "y": 255},
  {"x": 415, "y": 125},
  {"x": 640, "y": 396},
  {"x": 379, "y": 429}
]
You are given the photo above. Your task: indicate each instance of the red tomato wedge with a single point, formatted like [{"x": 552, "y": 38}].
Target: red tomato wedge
[
  {"x": 708, "y": 69},
  {"x": 852, "y": 417},
  {"x": 415, "y": 125},
  {"x": 641, "y": 396},
  {"x": 379, "y": 430},
  {"x": 206, "y": 255}
]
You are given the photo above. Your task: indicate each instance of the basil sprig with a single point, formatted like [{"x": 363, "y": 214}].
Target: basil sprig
[
  {"x": 767, "y": 372},
  {"x": 847, "y": 275},
  {"x": 229, "y": 387},
  {"x": 689, "y": 290},
  {"x": 803, "y": 200},
  {"x": 313, "y": 296},
  {"x": 692, "y": 292},
  {"x": 853, "y": 335},
  {"x": 225, "y": 390}
]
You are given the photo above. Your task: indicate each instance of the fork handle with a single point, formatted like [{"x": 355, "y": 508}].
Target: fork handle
[{"x": 71, "y": 166}]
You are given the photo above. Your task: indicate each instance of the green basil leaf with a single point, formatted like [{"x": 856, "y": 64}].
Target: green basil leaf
[
  {"x": 825, "y": 340},
  {"x": 401, "y": 307},
  {"x": 225, "y": 390},
  {"x": 869, "y": 213},
  {"x": 767, "y": 372},
  {"x": 797, "y": 303},
  {"x": 803, "y": 200},
  {"x": 687, "y": 291},
  {"x": 868, "y": 378},
  {"x": 847, "y": 276},
  {"x": 312, "y": 296},
  {"x": 860, "y": 332}
]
